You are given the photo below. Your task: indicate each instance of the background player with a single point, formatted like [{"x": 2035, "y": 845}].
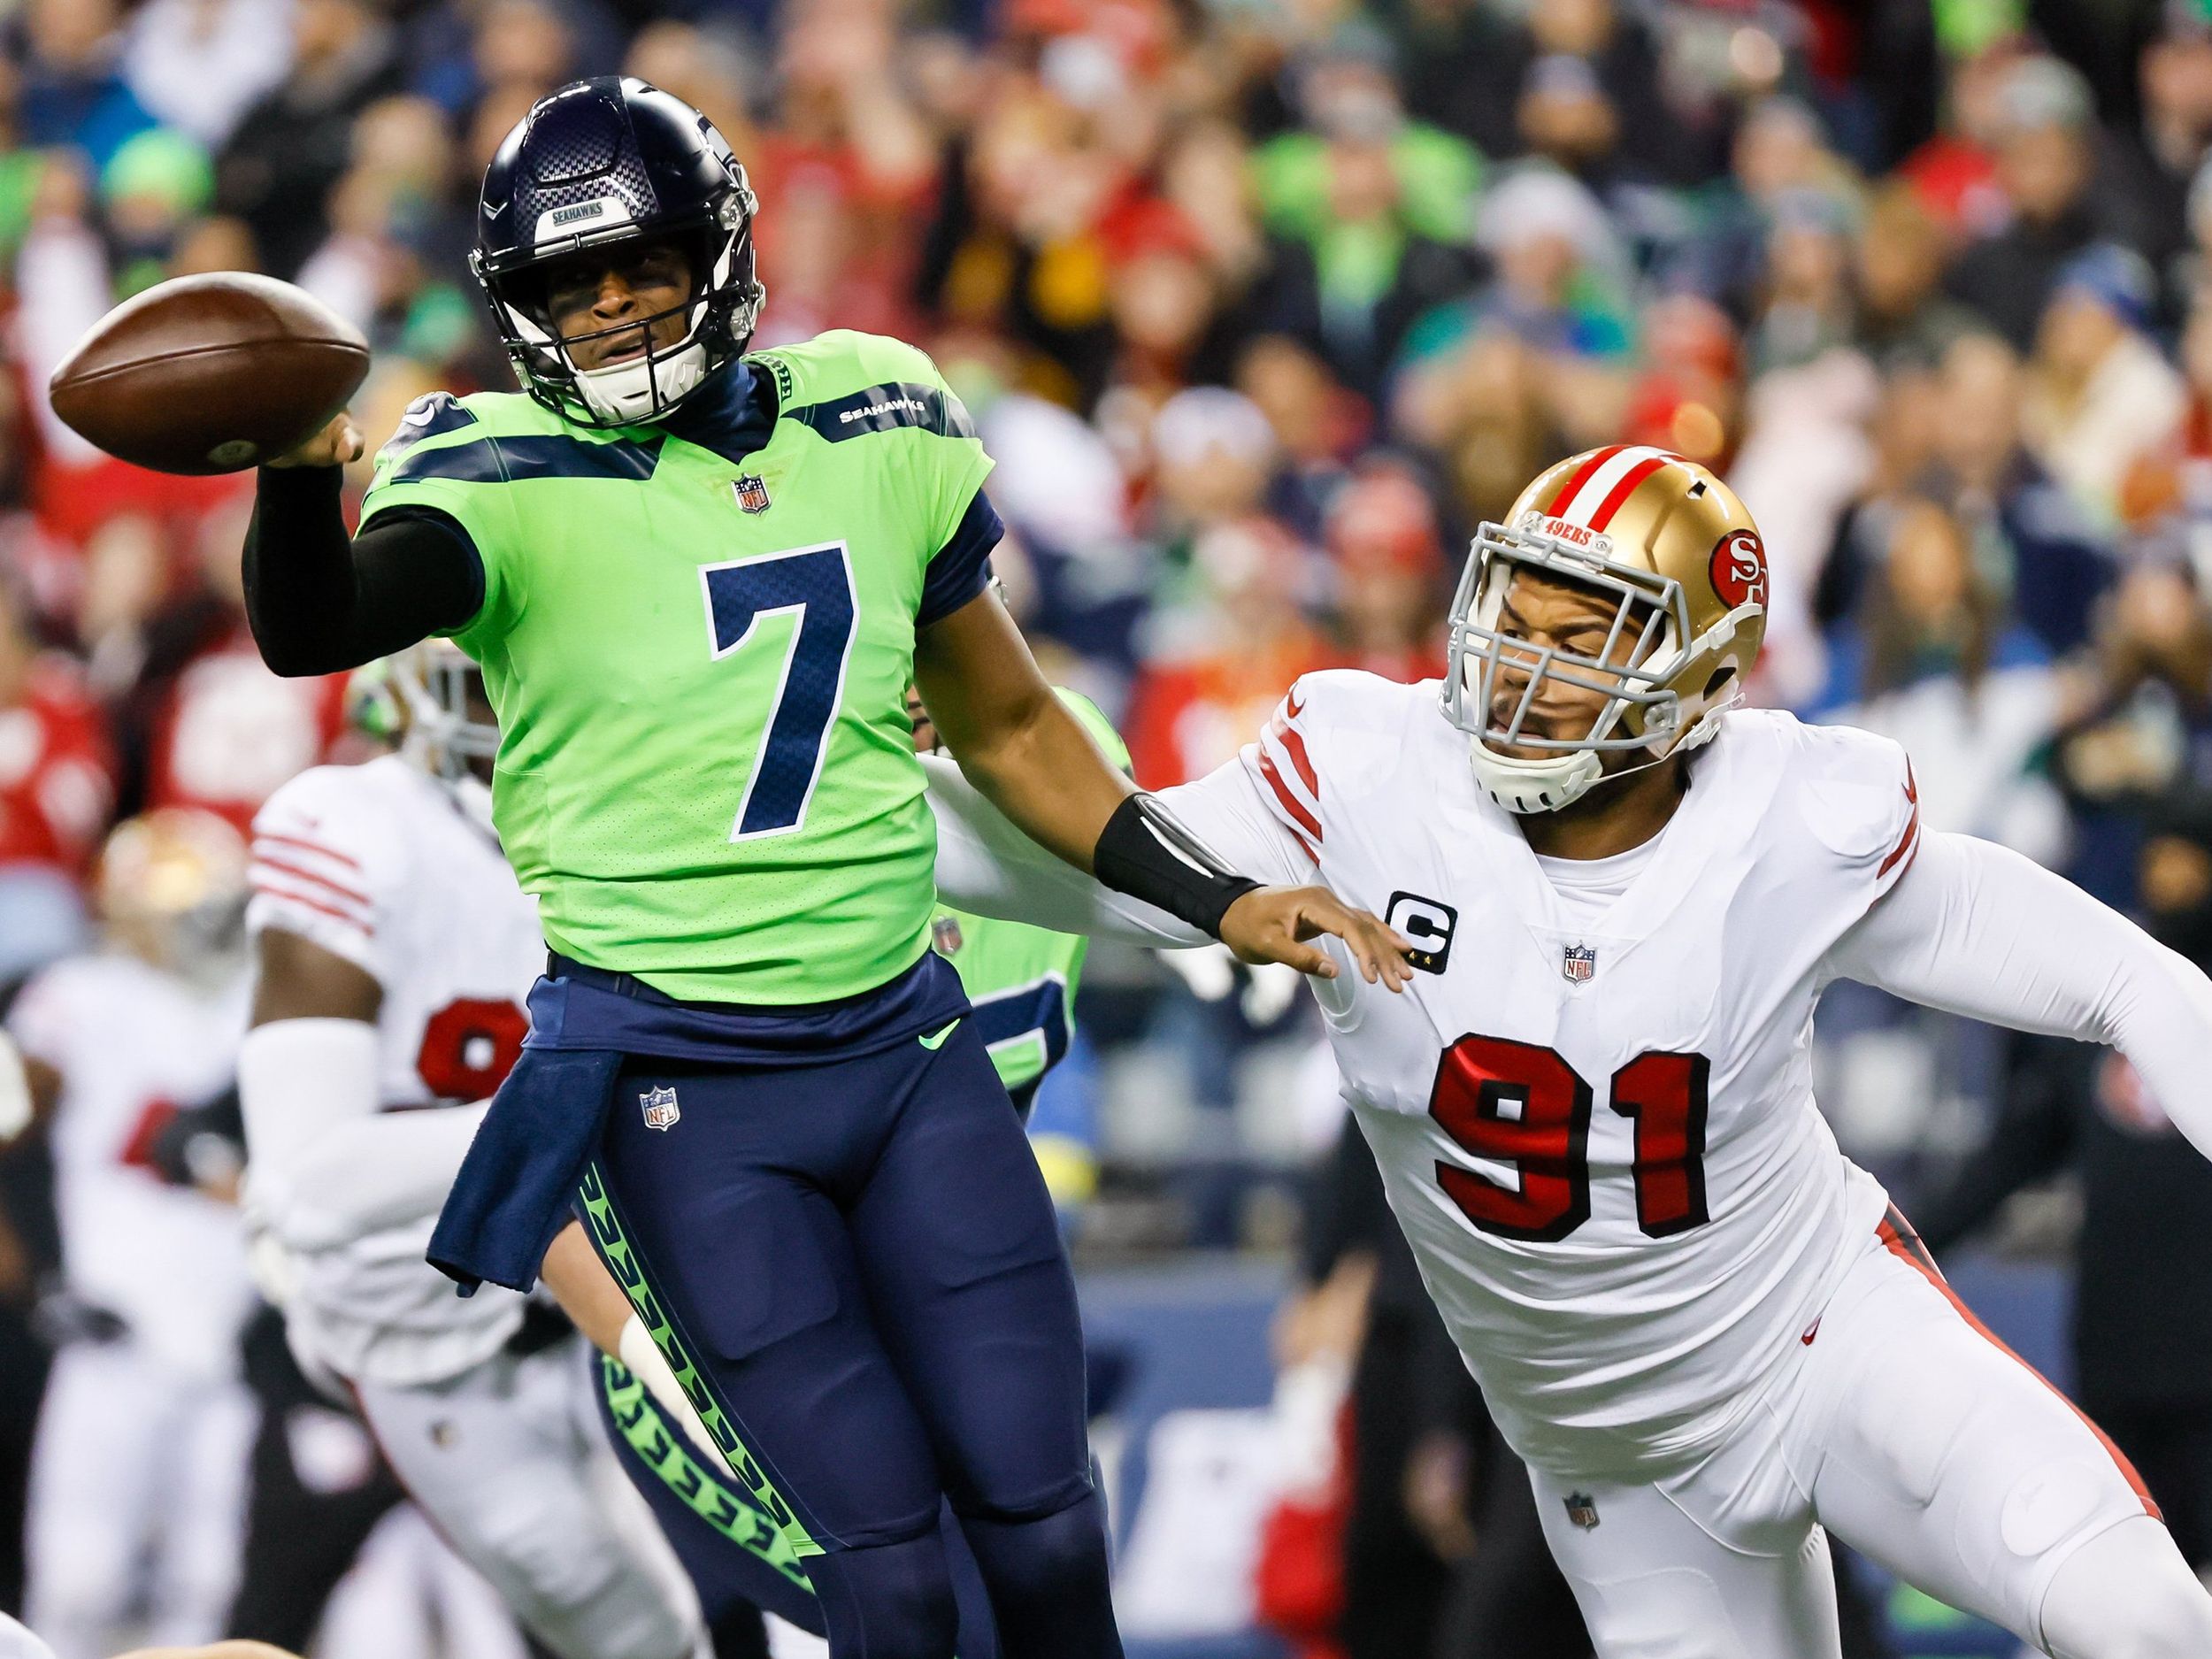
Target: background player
[
  {"x": 138, "y": 1478},
  {"x": 664, "y": 557},
  {"x": 1708, "y": 1333},
  {"x": 393, "y": 950}
]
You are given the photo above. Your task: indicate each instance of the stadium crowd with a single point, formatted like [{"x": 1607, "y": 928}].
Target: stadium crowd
[{"x": 1262, "y": 306}]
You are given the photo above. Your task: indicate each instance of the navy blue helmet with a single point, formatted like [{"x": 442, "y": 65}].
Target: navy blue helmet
[{"x": 600, "y": 163}]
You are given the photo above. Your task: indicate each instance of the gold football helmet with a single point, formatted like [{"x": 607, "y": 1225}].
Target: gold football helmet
[
  {"x": 1671, "y": 545},
  {"x": 172, "y": 887}
]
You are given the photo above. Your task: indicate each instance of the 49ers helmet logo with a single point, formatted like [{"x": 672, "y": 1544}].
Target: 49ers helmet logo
[{"x": 1739, "y": 569}]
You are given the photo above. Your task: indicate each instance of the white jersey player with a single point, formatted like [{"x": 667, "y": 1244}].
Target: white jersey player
[
  {"x": 1708, "y": 1333},
  {"x": 140, "y": 1459},
  {"x": 395, "y": 951}
]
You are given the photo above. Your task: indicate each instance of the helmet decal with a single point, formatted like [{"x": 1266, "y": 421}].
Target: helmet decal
[{"x": 1739, "y": 569}]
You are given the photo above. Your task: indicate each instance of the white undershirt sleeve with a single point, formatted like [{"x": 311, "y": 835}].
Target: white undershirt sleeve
[
  {"x": 382, "y": 1171},
  {"x": 986, "y": 865},
  {"x": 1975, "y": 929}
]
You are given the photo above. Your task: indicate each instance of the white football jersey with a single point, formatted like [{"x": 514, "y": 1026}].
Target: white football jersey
[
  {"x": 1597, "y": 1125},
  {"x": 134, "y": 1046},
  {"x": 379, "y": 864}
]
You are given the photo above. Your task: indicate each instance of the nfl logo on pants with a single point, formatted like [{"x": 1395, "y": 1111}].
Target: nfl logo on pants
[
  {"x": 660, "y": 1108},
  {"x": 1582, "y": 1510}
]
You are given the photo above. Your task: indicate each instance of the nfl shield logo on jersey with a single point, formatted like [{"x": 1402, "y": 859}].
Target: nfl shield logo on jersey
[
  {"x": 1582, "y": 1510},
  {"x": 945, "y": 934},
  {"x": 660, "y": 1108},
  {"x": 1578, "y": 963},
  {"x": 752, "y": 494}
]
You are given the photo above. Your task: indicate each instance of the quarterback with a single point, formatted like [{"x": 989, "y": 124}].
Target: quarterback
[
  {"x": 698, "y": 582},
  {"x": 1713, "y": 1337}
]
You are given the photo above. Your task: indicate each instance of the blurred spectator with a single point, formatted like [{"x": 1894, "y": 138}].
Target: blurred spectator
[
  {"x": 1376, "y": 210},
  {"x": 291, "y": 146},
  {"x": 74, "y": 91},
  {"x": 223, "y": 732},
  {"x": 1387, "y": 563},
  {"x": 1805, "y": 308},
  {"x": 56, "y": 788},
  {"x": 1932, "y": 662},
  {"x": 1247, "y": 639},
  {"x": 2043, "y": 165},
  {"x": 197, "y": 66},
  {"x": 2027, "y": 530},
  {"x": 2100, "y": 395},
  {"x": 1904, "y": 318},
  {"x": 2150, "y": 168}
]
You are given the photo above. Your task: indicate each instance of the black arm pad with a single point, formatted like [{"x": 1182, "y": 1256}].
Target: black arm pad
[{"x": 1145, "y": 853}]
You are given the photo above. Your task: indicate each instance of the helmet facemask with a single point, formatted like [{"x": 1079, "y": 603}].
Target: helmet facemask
[
  {"x": 1647, "y": 652},
  {"x": 720, "y": 315}
]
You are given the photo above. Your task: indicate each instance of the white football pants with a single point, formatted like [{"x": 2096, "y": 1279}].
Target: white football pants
[
  {"x": 138, "y": 1478},
  {"x": 1904, "y": 1428},
  {"x": 509, "y": 1460}
]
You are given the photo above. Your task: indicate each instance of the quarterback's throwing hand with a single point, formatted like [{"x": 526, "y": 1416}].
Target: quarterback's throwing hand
[
  {"x": 1276, "y": 924},
  {"x": 337, "y": 444}
]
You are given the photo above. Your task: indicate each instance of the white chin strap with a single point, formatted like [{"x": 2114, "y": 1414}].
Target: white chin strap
[
  {"x": 1534, "y": 786},
  {"x": 624, "y": 392}
]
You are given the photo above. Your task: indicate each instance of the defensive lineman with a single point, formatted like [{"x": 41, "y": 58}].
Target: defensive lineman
[
  {"x": 394, "y": 950},
  {"x": 1709, "y": 1334},
  {"x": 138, "y": 1475},
  {"x": 699, "y": 584}
]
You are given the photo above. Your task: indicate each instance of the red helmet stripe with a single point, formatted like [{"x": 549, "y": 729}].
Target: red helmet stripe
[
  {"x": 1621, "y": 490},
  {"x": 1595, "y": 459}
]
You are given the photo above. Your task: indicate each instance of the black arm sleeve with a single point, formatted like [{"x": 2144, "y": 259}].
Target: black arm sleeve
[
  {"x": 1144, "y": 852},
  {"x": 319, "y": 602}
]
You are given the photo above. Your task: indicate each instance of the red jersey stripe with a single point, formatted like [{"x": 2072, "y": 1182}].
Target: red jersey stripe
[
  {"x": 331, "y": 853},
  {"x": 1292, "y": 804},
  {"x": 1294, "y": 743},
  {"x": 1905, "y": 843},
  {"x": 299, "y": 873},
  {"x": 312, "y": 903}
]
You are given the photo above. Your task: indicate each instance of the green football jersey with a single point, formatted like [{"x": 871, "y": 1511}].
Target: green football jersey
[
  {"x": 706, "y": 774},
  {"x": 1020, "y": 978}
]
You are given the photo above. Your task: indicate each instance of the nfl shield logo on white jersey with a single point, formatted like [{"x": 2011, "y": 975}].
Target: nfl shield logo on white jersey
[
  {"x": 1582, "y": 1510},
  {"x": 660, "y": 1108},
  {"x": 752, "y": 494},
  {"x": 1578, "y": 963}
]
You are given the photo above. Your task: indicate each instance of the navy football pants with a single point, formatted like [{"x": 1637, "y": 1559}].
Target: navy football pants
[{"x": 861, "y": 1258}]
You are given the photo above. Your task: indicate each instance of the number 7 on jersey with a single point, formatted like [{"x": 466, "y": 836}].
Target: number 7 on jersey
[{"x": 815, "y": 584}]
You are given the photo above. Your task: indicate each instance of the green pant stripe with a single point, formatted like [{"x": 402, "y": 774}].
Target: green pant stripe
[
  {"x": 614, "y": 1249},
  {"x": 667, "y": 1453}
]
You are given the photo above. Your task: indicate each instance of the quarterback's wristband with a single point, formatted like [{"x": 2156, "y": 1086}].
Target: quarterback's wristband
[{"x": 1145, "y": 853}]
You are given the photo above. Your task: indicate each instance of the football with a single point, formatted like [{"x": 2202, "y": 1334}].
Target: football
[{"x": 212, "y": 373}]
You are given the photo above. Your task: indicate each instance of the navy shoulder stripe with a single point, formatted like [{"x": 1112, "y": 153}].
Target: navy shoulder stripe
[
  {"x": 429, "y": 415},
  {"x": 884, "y": 408},
  {"x": 532, "y": 456}
]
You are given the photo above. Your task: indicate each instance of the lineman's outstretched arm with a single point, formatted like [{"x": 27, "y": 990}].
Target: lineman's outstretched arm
[
  {"x": 1975, "y": 929},
  {"x": 320, "y": 601},
  {"x": 1019, "y": 745},
  {"x": 986, "y": 865}
]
